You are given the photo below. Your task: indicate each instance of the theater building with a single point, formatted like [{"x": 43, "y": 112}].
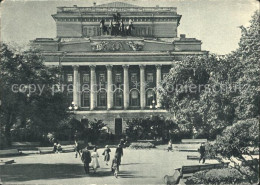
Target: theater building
[{"x": 114, "y": 78}]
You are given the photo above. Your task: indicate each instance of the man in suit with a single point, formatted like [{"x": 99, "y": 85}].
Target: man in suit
[
  {"x": 119, "y": 153},
  {"x": 86, "y": 159},
  {"x": 202, "y": 151}
]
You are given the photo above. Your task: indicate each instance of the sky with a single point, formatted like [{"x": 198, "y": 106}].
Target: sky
[{"x": 215, "y": 22}]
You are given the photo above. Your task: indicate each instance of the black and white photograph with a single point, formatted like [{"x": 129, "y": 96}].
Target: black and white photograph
[{"x": 129, "y": 92}]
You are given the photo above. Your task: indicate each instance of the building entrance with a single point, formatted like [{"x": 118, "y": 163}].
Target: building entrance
[{"x": 118, "y": 126}]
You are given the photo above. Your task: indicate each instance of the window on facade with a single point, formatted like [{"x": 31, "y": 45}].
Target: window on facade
[
  {"x": 150, "y": 97},
  {"x": 133, "y": 77},
  {"x": 85, "y": 99},
  {"x": 149, "y": 77},
  {"x": 119, "y": 98},
  {"x": 118, "y": 78},
  {"x": 69, "y": 78},
  {"x": 102, "y": 98},
  {"x": 86, "y": 78},
  {"x": 134, "y": 98},
  {"x": 102, "y": 78}
]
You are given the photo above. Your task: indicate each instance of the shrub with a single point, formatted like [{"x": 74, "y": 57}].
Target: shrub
[
  {"x": 147, "y": 145},
  {"x": 217, "y": 176}
]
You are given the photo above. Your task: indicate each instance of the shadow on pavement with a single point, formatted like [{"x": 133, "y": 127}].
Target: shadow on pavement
[
  {"x": 128, "y": 174},
  {"x": 27, "y": 172}
]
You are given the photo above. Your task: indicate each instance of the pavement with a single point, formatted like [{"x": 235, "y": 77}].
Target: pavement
[{"x": 138, "y": 167}]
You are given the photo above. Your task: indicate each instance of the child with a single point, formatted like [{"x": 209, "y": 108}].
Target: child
[
  {"x": 54, "y": 147},
  {"x": 115, "y": 166},
  {"x": 169, "y": 146},
  {"x": 59, "y": 149},
  {"x": 107, "y": 155}
]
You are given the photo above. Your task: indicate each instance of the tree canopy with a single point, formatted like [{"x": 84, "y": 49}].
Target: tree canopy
[
  {"x": 27, "y": 96},
  {"x": 213, "y": 92}
]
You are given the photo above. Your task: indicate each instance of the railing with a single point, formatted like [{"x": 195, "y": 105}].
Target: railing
[{"x": 116, "y": 9}]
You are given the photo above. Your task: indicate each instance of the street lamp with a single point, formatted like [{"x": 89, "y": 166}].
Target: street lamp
[
  {"x": 153, "y": 105},
  {"x": 73, "y": 107}
]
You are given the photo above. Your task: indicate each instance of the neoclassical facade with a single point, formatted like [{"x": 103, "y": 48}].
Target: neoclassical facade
[{"x": 115, "y": 78}]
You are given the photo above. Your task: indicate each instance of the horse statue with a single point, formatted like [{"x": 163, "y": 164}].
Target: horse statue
[{"x": 129, "y": 28}]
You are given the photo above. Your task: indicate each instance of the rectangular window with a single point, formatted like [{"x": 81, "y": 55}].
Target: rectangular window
[
  {"x": 69, "y": 78},
  {"x": 86, "y": 78},
  {"x": 102, "y": 78},
  {"x": 149, "y": 77},
  {"x": 118, "y": 78},
  {"x": 133, "y": 77}
]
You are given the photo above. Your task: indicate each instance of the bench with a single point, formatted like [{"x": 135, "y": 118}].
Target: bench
[
  {"x": 193, "y": 157},
  {"x": 45, "y": 150},
  {"x": 25, "y": 145},
  {"x": 189, "y": 170},
  {"x": 193, "y": 141},
  {"x": 9, "y": 152},
  {"x": 68, "y": 148},
  {"x": 6, "y": 161}
]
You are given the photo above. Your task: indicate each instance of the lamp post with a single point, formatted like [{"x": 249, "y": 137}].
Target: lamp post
[{"x": 73, "y": 107}]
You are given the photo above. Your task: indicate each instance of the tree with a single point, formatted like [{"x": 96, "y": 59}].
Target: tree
[
  {"x": 239, "y": 140},
  {"x": 213, "y": 92},
  {"x": 27, "y": 94}
]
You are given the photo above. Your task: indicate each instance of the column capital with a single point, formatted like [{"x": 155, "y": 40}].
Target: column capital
[
  {"x": 125, "y": 66},
  {"x": 142, "y": 66},
  {"x": 109, "y": 67},
  {"x": 92, "y": 66},
  {"x": 75, "y": 67},
  {"x": 158, "y": 66}
]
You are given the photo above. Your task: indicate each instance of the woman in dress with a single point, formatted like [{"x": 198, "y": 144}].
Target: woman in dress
[
  {"x": 94, "y": 161},
  {"x": 106, "y": 154},
  {"x": 169, "y": 146}
]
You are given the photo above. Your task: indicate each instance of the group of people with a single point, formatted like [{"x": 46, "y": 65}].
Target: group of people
[
  {"x": 117, "y": 28},
  {"x": 56, "y": 146},
  {"x": 91, "y": 159}
]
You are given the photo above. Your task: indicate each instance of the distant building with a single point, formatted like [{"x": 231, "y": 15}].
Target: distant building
[{"x": 114, "y": 78}]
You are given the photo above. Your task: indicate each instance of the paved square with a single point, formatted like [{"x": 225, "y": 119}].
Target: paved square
[{"x": 138, "y": 167}]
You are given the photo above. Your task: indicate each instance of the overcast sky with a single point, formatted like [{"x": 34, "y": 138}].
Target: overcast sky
[{"x": 215, "y": 22}]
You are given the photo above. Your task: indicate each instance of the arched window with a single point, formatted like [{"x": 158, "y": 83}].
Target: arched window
[
  {"x": 85, "y": 99},
  {"x": 118, "y": 98},
  {"x": 150, "y": 97},
  {"x": 134, "y": 98},
  {"x": 102, "y": 98}
]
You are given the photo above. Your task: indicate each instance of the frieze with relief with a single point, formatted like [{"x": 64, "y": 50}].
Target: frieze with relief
[{"x": 115, "y": 46}]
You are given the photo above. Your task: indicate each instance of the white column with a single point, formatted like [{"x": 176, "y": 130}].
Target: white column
[
  {"x": 76, "y": 85},
  {"x": 109, "y": 87},
  {"x": 93, "y": 88},
  {"x": 126, "y": 87},
  {"x": 142, "y": 86},
  {"x": 158, "y": 80}
]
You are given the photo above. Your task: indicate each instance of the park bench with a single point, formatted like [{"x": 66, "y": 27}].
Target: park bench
[
  {"x": 186, "y": 171},
  {"x": 23, "y": 146},
  {"x": 45, "y": 150},
  {"x": 9, "y": 152},
  {"x": 6, "y": 161},
  {"x": 193, "y": 141},
  {"x": 68, "y": 148}
]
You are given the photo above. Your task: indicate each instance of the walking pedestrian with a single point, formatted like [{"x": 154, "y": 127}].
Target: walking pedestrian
[
  {"x": 86, "y": 159},
  {"x": 77, "y": 150},
  {"x": 115, "y": 165},
  {"x": 95, "y": 163},
  {"x": 202, "y": 151},
  {"x": 106, "y": 154},
  {"x": 119, "y": 153}
]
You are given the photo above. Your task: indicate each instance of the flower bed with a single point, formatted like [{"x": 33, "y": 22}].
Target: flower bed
[{"x": 147, "y": 145}]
